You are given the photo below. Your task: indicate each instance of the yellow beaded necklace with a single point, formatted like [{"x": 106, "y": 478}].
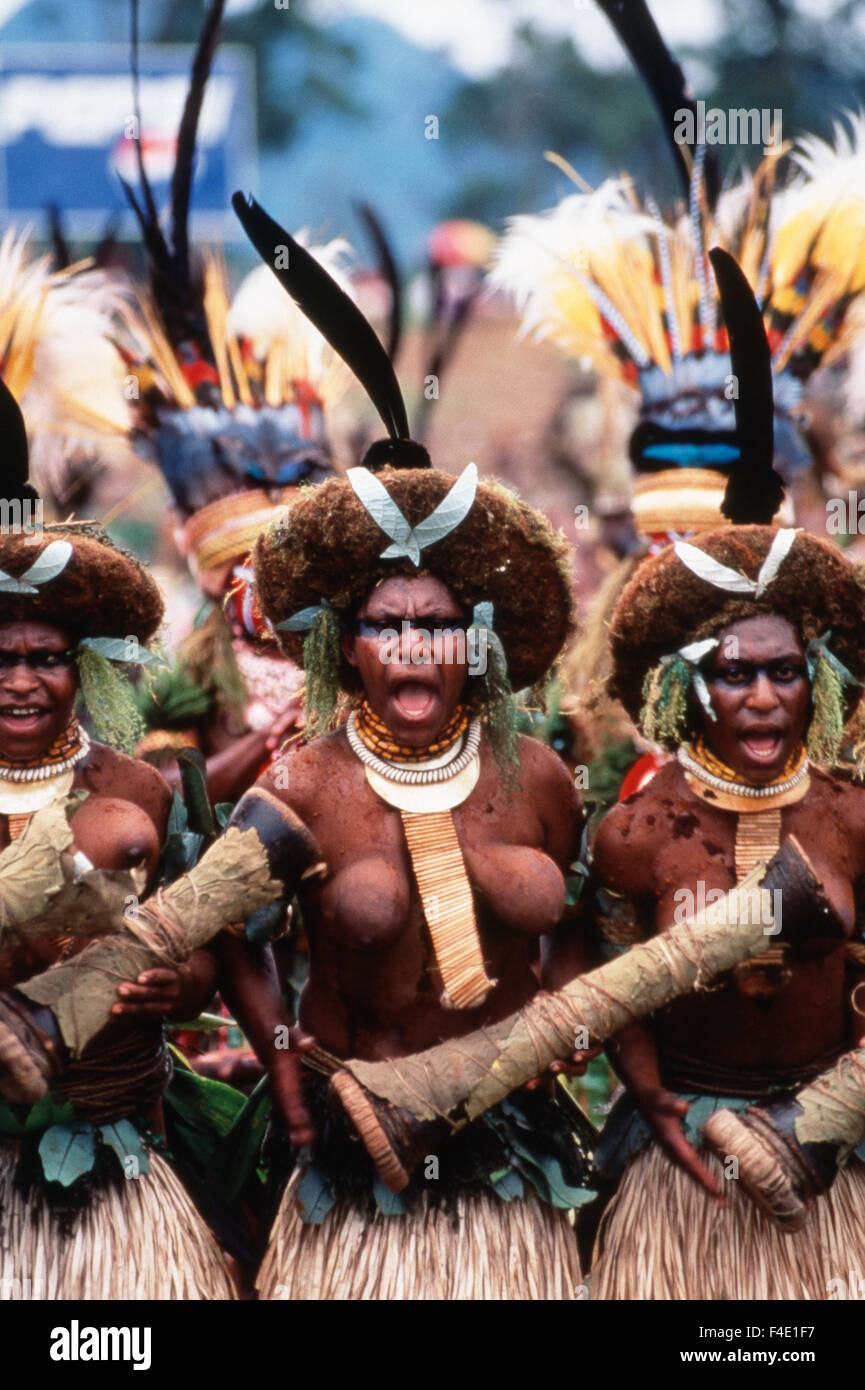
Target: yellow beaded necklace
[
  {"x": 377, "y": 737},
  {"x": 701, "y": 754}
]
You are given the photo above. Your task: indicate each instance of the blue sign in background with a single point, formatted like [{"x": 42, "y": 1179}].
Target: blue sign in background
[{"x": 67, "y": 130}]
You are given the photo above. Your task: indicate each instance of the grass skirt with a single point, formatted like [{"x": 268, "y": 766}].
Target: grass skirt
[
  {"x": 482, "y": 1248},
  {"x": 144, "y": 1240},
  {"x": 663, "y": 1237}
]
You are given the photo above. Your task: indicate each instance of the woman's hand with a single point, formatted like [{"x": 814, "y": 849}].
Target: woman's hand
[
  {"x": 575, "y": 1065},
  {"x": 153, "y": 995},
  {"x": 288, "y": 1098},
  {"x": 664, "y": 1113}
]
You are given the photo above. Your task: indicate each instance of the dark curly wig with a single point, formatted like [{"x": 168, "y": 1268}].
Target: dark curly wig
[
  {"x": 102, "y": 592},
  {"x": 328, "y": 547},
  {"x": 665, "y": 606}
]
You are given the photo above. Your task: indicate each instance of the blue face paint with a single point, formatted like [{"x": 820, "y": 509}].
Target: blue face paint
[{"x": 745, "y": 673}]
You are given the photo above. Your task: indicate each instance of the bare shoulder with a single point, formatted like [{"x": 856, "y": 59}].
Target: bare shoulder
[
  {"x": 629, "y": 837},
  {"x": 547, "y": 783},
  {"x": 303, "y": 777},
  {"x": 542, "y": 769},
  {"x": 842, "y": 802},
  {"x": 108, "y": 772}
]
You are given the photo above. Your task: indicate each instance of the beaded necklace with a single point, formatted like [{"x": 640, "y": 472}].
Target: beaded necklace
[
  {"x": 377, "y": 738},
  {"x": 66, "y": 750},
  {"x": 758, "y": 838},
  {"x": 439, "y": 778},
  {"x": 704, "y": 771},
  {"x": 27, "y": 787}
]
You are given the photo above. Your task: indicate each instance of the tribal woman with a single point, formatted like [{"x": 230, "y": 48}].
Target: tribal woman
[
  {"x": 72, "y": 605},
  {"x": 443, "y": 839},
  {"x": 742, "y": 652},
  {"x": 609, "y": 281}
]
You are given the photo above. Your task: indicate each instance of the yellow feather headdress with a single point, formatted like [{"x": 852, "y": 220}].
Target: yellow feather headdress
[
  {"x": 614, "y": 284},
  {"x": 234, "y": 412},
  {"x": 59, "y": 359}
]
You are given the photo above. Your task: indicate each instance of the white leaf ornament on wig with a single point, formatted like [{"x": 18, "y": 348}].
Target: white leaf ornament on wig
[
  {"x": 732, "y": 581},
  {"x": 52, "y": 561},
  {"x": 409, "y": 541}
]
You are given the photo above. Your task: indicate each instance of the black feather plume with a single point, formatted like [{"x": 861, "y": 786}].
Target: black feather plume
[
  {"x": 14, "y": 454},
  {"x": 330, "y": 309},
  {"x": 184, "y": 163},
  {"x": 60, "y": 252},
  {"x": 177, "y": 290},
  {"x": 754, "y": 491},
  {"x": 104, "y": 251},
  {"x": 148, "y": 216},
  {"x": 663, "y": 76},
  {"x": 388, "y": 268}
]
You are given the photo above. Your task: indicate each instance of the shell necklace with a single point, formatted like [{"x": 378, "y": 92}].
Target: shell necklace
[
  {"x": 729, "y": 795},
  {"x": 433, "y": 770},
  {"x": 425, "y": 796},
  {"x": 25, "y": 788}
]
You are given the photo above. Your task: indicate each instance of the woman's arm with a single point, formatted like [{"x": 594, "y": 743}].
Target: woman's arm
[
  {"x": 250, "y": 987},
  {"x": 232, "y": 770},
  {"x": 622, "y": 863},
  {"x": 176, "y": 993},
  {"x": 634, "y": 1056}
]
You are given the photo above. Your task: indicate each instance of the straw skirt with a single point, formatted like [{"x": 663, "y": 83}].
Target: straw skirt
[
  {"x": 663, "y": 1237},
  {"x": 144, "y": 1240},
  {"x": 483, "y": 1248}
]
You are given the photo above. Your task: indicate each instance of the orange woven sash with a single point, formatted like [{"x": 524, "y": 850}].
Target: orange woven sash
[{"x": 446, "y": 896}]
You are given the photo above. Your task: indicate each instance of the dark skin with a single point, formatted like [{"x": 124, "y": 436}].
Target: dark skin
[
  {"x": 665, "y": 838},
  {"x": 234, "y": 753},
  {"x": 122, "y": 823},
  {"x": 373, "y": 990}
]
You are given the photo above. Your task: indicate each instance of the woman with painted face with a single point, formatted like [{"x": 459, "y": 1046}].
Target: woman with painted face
[
  {"x": 443, "y": 839},
  {"x": 73, "y": 610},
  {"x": 742, "y": 651}
]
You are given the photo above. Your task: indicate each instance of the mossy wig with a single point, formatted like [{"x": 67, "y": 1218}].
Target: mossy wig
[
  {"x": 325, "y": 554},
  {"x": 101, "y": 592},
  {"x": 665, "y": 606},
  {"x": 327, "y": 547}
]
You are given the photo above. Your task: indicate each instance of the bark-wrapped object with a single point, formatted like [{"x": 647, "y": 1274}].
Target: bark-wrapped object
[
  {"x": 790, "y": 1150},
  {"x": 403, "y": 1106},
  {"x": 258, "y": 860},
  {"x": 42, "y": 889}
]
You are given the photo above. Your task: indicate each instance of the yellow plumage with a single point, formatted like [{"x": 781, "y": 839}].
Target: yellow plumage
[
  {"x": 261, "y": 344},
  {"x": 603, "y": 277},
  {"x": 59, "y": 360}
]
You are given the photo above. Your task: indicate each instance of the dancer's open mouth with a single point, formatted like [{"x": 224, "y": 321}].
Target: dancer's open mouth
[
  {"x": 763, "y": 746},
  {"x": 414, "y": 700}
]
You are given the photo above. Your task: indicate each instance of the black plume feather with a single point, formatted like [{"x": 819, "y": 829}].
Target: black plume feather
[
  {"x": 177, "y": 291},
  {"x": 388, "y": 267},
  {"x": 754, "y": 491},
  {"x": 103, "y": 254},
  {"x": 663, "y": 76},
  {"x": 60, "y": 252},
  {"x": 330, "y": 309},
  {"x": 148, "y": 217},
  {"x": 14, "y": 454},
  {"x": 184, "y": 163}
]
